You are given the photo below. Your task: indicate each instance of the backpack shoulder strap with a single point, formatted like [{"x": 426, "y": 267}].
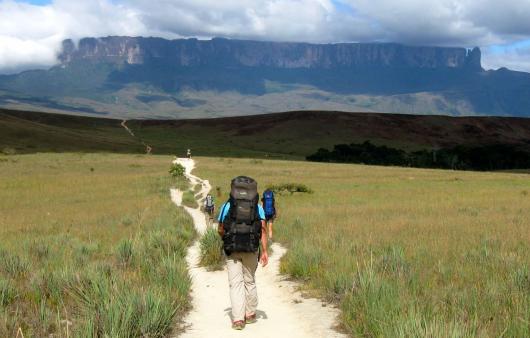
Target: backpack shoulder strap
[{"x": 223, "y": 211}]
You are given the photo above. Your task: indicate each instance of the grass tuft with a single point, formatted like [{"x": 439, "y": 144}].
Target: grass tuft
[
  {"x": 125, "y": 252},
  {"x": 12, "y": 265},
  {"x": 39, "y": 250},
  {"x": 188, "y": 199},
  {"x": 212, "y": 256},
  {"x": 8, "y": 293}
]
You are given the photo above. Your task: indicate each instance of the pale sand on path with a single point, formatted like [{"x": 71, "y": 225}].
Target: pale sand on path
[{"x": 282, "y": 310}]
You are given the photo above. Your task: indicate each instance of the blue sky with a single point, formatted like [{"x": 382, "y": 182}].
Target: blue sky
[
  {"x": 31, "y": 31},
  {"x": 37, "y": 2}
]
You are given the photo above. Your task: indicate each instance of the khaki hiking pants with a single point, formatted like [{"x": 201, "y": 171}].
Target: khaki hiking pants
[{"x": 241, "y": 278}]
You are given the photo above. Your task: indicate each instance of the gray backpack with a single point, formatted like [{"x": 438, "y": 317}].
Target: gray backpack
[{"x": 242, "y": 224}]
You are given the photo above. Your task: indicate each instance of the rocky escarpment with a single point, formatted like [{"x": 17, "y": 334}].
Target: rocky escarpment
[
  {"x": 224, "y": 77},
  {"x": 283, "y": 55}
]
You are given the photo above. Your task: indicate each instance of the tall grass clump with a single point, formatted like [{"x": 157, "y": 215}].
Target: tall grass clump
[
  {"x": 8, "y": 293},
  {"x": 12, "y": 264},
  {"x": 39, "y": 250},
  {"x": 110, "y": 307},
  {"x": 211, "y": 246},
  {"x": 124, "y": 252}
]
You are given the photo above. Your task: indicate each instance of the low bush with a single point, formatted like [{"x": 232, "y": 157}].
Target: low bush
[
  {"x": 177, "y": 170},
  {"x": 290, "y": 188},
  {"x": 9, "y": 151}
]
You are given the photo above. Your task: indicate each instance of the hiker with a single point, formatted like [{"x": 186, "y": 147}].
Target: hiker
[
  {"x": 269, "y": 206},
  {"x": 209, "y": 205},
  {"x": 242, "y": 227},
  {"x": 188, "y": 153}
]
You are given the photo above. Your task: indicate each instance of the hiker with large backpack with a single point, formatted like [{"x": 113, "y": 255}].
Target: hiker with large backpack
[
  {"x": 209, "y": 205},
  {"x": 269, "y": 206},
  {"x": 242, "y": 227}
]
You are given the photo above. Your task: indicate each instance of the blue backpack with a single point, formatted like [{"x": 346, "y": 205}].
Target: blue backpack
[{"x": 268, "y": 203}]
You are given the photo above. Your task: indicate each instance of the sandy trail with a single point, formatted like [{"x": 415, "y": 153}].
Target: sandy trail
[
  {"x": 148, "y": 148},
  {"x": 124, "y": 125},
  {"x": 282, "y": 311}
]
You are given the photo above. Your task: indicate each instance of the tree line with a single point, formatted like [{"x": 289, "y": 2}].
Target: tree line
[{"x": 486, "y": 157}]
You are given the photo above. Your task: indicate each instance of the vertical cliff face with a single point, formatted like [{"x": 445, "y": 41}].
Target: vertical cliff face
[
  {"x": 224, "y": 52},
  {"x": 251, "y": 76}
]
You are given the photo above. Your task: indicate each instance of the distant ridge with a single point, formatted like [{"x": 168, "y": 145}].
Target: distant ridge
[
  {"x": 293, "y": 134},
  {"x": 137, "y": 77}
]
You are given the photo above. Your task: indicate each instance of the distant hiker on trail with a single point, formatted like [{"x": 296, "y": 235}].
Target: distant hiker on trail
[
  {"x": 188, "y": 153},
  {"x": 242, "y": 227},
  {"x": 269, "y": 207},
  {"x": 209, "y": 206}
]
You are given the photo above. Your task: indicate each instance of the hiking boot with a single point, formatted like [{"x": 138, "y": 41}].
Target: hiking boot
[
  {"x": 238, "y": 325},
  {"x": 250, "y": 319}
]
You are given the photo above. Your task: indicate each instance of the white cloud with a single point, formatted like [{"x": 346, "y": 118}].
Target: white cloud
[
  {"x": 30, "y": 35},
  {"x": 512, "y": 58}
]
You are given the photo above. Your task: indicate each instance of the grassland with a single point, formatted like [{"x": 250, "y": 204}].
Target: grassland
[
  {"x": 29, "y": 132},
  {"x": 291, "y": 135},
  {"x": 403, "y": 252},
  {"x": 90, "y": 245}
]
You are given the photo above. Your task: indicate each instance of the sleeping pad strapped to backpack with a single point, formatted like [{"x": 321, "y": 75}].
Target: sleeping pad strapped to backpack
[{"x": 242, "y": 224}]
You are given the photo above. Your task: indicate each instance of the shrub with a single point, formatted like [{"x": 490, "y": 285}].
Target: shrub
[
  {"x": 126, "y": 221},
  {"x": 9, "y": 151},
  {"x": 290, "y": 188},
  {"x": 177, "y": 170},
  {"x": 211, "y": 245}
]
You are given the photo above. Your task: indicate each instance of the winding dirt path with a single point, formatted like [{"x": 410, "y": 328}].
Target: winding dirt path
[
  {"x": 148, "y": 148},
  {"x": 282, "y": 311}
]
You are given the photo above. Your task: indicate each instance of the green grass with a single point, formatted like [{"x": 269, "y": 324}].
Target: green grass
[
  {"x": 211, "y": 245},
  {"x": 91, "y": 252},
  {"x": 291, "y": 135},
  {"x": 188, "y": 199},
  {"x": 404, "y": 252},
  {"x": 27, "y": 132}
]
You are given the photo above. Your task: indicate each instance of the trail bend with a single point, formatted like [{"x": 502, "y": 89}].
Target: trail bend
[{"x": 282, "y": 310}]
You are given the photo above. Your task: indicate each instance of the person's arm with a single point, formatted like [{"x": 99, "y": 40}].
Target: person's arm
[
  {"x": 264, "y": 259},
  {"x": 221, "y": 227}
]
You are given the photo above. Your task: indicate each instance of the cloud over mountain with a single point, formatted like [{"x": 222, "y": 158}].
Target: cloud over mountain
[{"x": 30, "y": 35}]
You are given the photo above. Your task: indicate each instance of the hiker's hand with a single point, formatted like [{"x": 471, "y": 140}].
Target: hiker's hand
[
  {"x": 264, "y": 259},
  {"x": 221, "y": 230}
]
